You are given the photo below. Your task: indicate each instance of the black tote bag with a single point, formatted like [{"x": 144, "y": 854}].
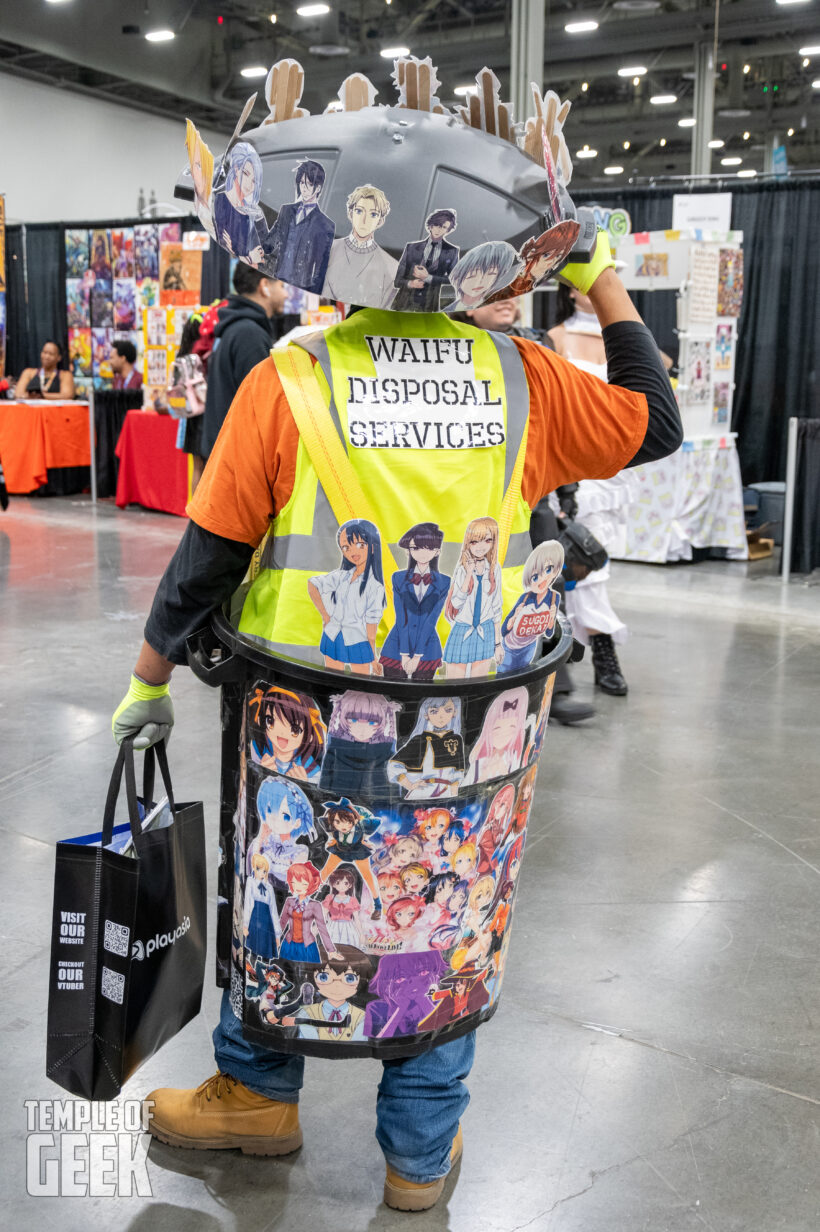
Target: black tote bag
[{"x": 128, "y": 937}]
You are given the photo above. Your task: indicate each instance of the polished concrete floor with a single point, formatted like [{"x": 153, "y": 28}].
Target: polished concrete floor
[{"x": 655, "y": 1064}]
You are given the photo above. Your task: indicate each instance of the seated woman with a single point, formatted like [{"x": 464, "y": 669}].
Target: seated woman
[{"x": 49, "y": 380}]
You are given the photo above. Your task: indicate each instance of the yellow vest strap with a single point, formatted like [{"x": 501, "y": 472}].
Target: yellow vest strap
[
  {"x": 327, "y": 452},
  {"x": 511, "y": 497}
]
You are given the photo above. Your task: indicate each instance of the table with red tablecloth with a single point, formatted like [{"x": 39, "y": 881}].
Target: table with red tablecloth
[
  {"x": 153, "y": 472},
  {"x": 36, "y": 437}
]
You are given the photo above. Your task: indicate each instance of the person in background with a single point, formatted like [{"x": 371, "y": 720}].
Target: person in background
[
  {"x": 49, "y": 380},
  {"x": 122, "y": 359},
  {"x": 242, "y": 339}
]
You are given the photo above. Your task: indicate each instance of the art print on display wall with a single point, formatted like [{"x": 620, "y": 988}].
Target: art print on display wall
[
  {"x": 699, "y": 372},
  {"x": 724, "y": 342},
  {"x": 730, "y": 282}
]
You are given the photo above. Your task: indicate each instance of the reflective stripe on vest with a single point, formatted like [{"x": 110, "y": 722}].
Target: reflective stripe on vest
[{"x": 448, "y": 486}]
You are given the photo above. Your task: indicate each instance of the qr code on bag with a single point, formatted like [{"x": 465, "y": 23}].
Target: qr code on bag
[
  {"x": 113, "y": 985},
  {"x": 116, "y": 937}
]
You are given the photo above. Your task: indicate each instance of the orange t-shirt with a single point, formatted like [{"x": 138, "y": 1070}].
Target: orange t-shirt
[{"x": 580, "y": 428}]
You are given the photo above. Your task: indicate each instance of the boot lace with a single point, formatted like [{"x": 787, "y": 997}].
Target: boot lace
[
  {"x": 603, "y": 653},
  {"x": 216, "y": 1085}
]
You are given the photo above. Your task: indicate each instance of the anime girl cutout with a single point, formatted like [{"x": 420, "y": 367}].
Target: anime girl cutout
[
  {"x": 538, "y": 723},
  {"x": 533, "y": 613},
  {"x": 260, "y": 923},
  {"x": 482, "y": 271},
  {"x": 431, "y": 763},
  {"x": 495, "y": 828},
  {"x": 412, "y": 648},
  {"x": 287, "y": 733},
  {"x": 286, "y": 818},
  {"x": 347, "y": 828},
  {"x": 342, "y": 909},
  {"x": 447, "y": 934},
  {"x": 500, "y": 747},
  {"x": 523, "y": 803},
  {"x": 437, "y": 897},
  {"x": 350, "y": 600},
  {"x": 403, "y": 923},
  {"x": 474, "y": 604},
  {"x": 303, "y": 919},
  {"x": 361, "y": 741},
  {"x": 432, "y": 824},
  {"x": 201, "y": 162},
  {"x": 402, "y": 984},
  {"x": 238, "y": 221}
]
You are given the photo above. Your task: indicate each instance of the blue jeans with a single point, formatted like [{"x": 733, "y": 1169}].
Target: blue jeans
[{"x": 419, "y": 1103}]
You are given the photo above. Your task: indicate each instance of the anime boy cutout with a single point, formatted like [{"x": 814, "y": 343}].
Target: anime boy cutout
[
  {"x": 300, "y": 240},
  {"x": 359, "y": 271},
  {"x": 412, "y": 649},
  {"x": 350, "y": 600},
  {"x": 540, "y": 256},
  {"x": 533, "y": 613},
  {"x": 482, "y": 271},
  {"x": 425, "y": 266},
  {"x": 287, "y": 733},
  {"x": 474, "y": 604},
  {"x": 431, "y": 763},
  {"x": 238, "y": 221},
  {"x": 500, "y": 746}
]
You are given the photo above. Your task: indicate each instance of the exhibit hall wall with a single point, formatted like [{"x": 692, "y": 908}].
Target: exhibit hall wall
[{"x": 65, "y": 157}]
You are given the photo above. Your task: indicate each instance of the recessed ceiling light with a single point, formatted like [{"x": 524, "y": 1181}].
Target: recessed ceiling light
[
  {"x": 814, "y": 50},
  {"x": 312, "y": 10},
  {"x": 815, "y": 85},
  {"x": 580, "y": 27},
  {"x": 254, "y": 70},
  {"x": 746, "y": 135},
  {"x": 465, "y": 91},
  {"x": 806, "y": 62},
  {"x": 584, "y": 86},
  {"x": 160, "y": 36},
  {"x": 394, "y": 53},
  {"x": 747, "y": 68},
  {"x": 734, "y": 161},
  {"x": 637, "y": 6},
  {"x": 790, "y": 132},
  {"x": 273, "y": 19},
  {"x": 613, "y": 170},
  {"x": 662, "y": 141},
  {"x": 627, "y": 144},
  {"x": 716, "y": 143},
  {"x": 747, "y": 173},
  {"x": 791, "y": 1},
  {"x": 586, "y": 153},
  {"x": 632, "y": 70},
  {"x": 687, "y": 122},
  {"x": 663, "y": 100},
  {"x": 56, "y": 1}
]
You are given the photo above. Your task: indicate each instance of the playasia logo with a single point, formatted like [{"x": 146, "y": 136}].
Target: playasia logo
[
  {"x": 160, "y": 941},
  {"x": 425, "y": 395}
]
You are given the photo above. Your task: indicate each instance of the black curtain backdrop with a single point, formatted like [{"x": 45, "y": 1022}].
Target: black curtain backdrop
[
  {"x": 777, "y": 373},
  {"x": 806, "y": 543},
  {"x": 16, "y": 306}
]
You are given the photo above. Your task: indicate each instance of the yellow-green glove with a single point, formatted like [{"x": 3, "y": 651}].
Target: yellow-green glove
[
  {"x": 583, "y": 275},
  {"x": 146, "y": 713}
]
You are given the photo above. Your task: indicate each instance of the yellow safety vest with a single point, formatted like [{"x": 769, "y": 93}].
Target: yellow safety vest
[{"x": 433, "y": 416}]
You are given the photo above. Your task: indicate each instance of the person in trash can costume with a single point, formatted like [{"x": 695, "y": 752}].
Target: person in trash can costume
[{"x": 567, "y": 424}]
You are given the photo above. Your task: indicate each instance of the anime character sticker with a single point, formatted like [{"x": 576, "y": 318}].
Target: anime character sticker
[
  {"x": 540, "y": 257},
  {"x": 431, "y": 763},
  {"x": 361, "y": 741},
  {"x": 350, "y": 600},
  {"x": 533, "y": 613},
  {"x": 359, "y": 271},
  {"x": 343, "y": 909},
  {"x": 474, "y": 604},
  {"x": 266, "y": 984},
  {"x": 412, "y": 649},
  {"x": 425, "y": 265},
  {"x": 458, "y": 995},
  {"x": 302, "y": 919},
  {"x": 402, "y": 984},
  {"x": 333, "y": 1017},
  {"x": 287, "y": 733},
  {"x": 495, "y": 829},
  {"x": 404, "y": 930},
  {"x": 260, "y": 922},
  {"x": 500, "y": 746},
  {"x": 482, "y": 271},
  {"x": 299, "y": 242},
  {"x": 237, "y": 219},
  {"x": 286, "y": 827},
  {"x": 347, "y": 828},
  {"x": 201, "y": 162}
]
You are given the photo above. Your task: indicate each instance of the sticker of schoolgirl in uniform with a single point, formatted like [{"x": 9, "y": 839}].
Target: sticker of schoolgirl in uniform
[
  {"x": 495, "y": 828},
  {"x": 286, "y": 827},
  {"x": 300, "y": 240},
  {"x": 287, "y": 732},
  {"x": 474, "y": 604},
  {"x": 350, "y": 600},
  {"x": 333, "y": 1018},
  {"x": 302, "y": 919},
  {"x": 361, "y": 741},
  {"x": 347, "y": 828},
  {"x": 343, "y": 909},
  {"x": 480, "y": 272},
  {"x": 201, "y": 162},
  {"x": 238, "y": 221},
  {"x": 533, "y": 614},
  {"x": 500, "y": 746},
  {"x": 425, "y": 266},
  {"x": 402, "y": 985},
  {"x": 412, "y": 649},
  {"x": 431, "y": 763},
  {"x": 260, "y": 924},
  {"x": 359, "y": 271}
]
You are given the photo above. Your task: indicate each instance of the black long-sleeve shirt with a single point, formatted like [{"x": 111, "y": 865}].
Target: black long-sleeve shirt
[{"x": 206, "y": 568}]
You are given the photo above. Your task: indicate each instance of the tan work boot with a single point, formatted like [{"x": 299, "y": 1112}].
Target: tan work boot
[
  {"x": 222, "y": 1114},
  {"x": 405, "y": 1195}
]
